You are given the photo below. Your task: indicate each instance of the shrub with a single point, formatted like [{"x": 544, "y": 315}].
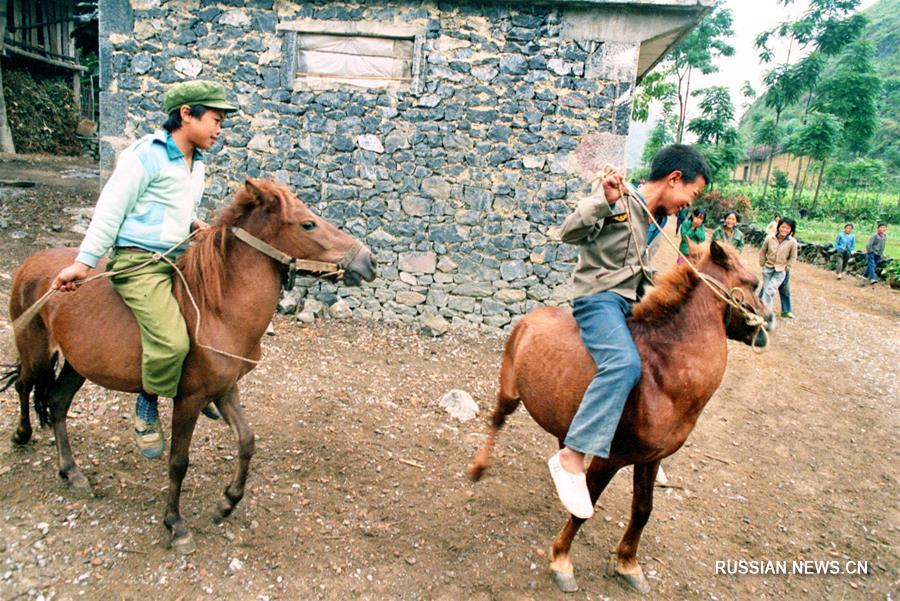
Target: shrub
[{"x": 717, "y": 205}]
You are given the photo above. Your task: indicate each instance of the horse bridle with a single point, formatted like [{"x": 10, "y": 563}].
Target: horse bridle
[
  {"x": 735, "y": 298},
  {"x": 291, "y": 265}
]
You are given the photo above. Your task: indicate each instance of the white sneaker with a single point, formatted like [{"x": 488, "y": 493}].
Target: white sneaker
[{"x": 572, "y": 489}]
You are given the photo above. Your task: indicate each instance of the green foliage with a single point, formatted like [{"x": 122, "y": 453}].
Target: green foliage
[
  {"x": 706, "y": 42},
  {"x": 883, "y": 34},
  {"x": 767, "y": 133},
  {"x": 717, "y": 115},
  {"x": 818, "y": 137},
  {"x": 41, "y": 112},
  {"x": 850, "y": 92},
  {"x": 780, "y": 183},
  {"x": 861, "y": 173},
  {"x": 659, "y": 136},
  {"x": 653, "y": 88}
]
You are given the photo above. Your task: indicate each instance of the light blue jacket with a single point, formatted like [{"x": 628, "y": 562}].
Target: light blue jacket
[
  {"x": 149, "y": 201},
  {"x": 845, "y": 242}
]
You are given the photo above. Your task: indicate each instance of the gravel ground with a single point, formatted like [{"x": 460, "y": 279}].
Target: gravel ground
[{"x": 357, "y": 489}]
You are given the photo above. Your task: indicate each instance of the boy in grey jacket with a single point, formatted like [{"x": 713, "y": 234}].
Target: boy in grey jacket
[{"x": 613, "y": 234}]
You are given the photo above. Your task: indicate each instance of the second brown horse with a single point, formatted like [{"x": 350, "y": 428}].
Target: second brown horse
[{"x": 680, "y": 330}]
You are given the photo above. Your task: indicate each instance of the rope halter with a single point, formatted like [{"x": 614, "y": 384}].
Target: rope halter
[{"x": 292, "y": 264}]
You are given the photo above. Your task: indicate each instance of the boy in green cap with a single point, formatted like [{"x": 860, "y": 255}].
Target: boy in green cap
[{"x": 148, "y": 205}]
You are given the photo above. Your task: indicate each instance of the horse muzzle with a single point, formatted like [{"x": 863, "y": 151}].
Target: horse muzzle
[{"x": 361, "y": 267}]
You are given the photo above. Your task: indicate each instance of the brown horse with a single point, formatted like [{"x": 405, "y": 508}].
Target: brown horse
[
  {"x": 680, "y": 330},
  {"x": 237, "y": 288}
]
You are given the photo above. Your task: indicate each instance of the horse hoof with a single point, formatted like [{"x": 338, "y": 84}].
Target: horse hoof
[
  {"x": 637, "y": 582},
  {"x": 184, "y": 545},
  {"x": 21, "y": 437},
  {"x": 476, "y": 471},
  {"x": 79, "y": 485},
  {"x": 564, "y": 581}
]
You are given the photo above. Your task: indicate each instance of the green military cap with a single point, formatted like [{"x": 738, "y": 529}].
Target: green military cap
[{"x": 204, "y": 93}]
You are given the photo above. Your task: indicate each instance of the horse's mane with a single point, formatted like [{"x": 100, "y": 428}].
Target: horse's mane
[
  {"x": 203, "y": 263},
  {"x": 666, "y": 297}
]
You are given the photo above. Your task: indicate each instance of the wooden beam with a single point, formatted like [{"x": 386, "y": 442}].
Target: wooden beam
[{"x": 44, "y": 59}]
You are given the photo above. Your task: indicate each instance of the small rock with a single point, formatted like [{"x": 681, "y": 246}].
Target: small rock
[
  {"x": 18, "y": 234},
  {"x": 44, "y": 527},
  {"x": 270, "y": 329},
  {"x": 661, "y": 478},
  {"x": 434, "y": 325},
  {"x": 459, "y": 404},
  {"x": 236, "y": 565},
  {"x": 313, "y": 306},
  {"x": 340, "y": 310},
  {"x": 306, "y": 317}
]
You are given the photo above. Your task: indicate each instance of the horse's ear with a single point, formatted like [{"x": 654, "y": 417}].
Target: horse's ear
[
  {"x": 719, "y": 255},
  {"x": 253, "y": 190},
  {"x": 695, "y": 251}
]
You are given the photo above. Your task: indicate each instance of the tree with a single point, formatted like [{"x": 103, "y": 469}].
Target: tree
[
  {"x": 717, "y": 137},
  {"x": 850, "y": 92},
  {"x": 660, "y": 136},
  {"x": 653, "y": 87},
  {"x": 717, "y": 114},
  {"x": 698, "y": 51},
  {"x": 818, "y": 139},
  {"x": 823, "y": 30}
]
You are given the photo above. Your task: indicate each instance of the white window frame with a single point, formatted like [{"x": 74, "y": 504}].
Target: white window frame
[{"x": 291, "y": 29}]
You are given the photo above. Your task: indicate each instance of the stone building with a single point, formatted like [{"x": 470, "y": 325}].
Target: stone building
[{"x": 451, "y": 136}]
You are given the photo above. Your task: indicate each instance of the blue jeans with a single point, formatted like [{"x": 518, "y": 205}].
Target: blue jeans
[
  {"x": 604, "y": 331},
  {"x": 771, "y": 281},
  {"x": 871, "y": 263},
  {"x": 784, "y": 292}
]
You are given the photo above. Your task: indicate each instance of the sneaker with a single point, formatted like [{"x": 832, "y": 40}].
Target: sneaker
[
  {"x": 149, "y": 437},
  {"x": 571, "y": 489},
  {"x": 873, "y": 282},
  {"x": 840, "y": 276},
  {"x": 787, "y": 315},
  {"x": 211, "y": 412}
]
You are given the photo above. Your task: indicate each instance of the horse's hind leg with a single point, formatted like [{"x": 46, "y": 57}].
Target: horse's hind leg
[
  {"x": 231, "y": 410},
  {"x": 23, "y": 431},
  {"x": 507, "y": 402},
  {"x": 60, "y": 396},
  {"x": 627, "y": 566},
  {"x": 562, "y": 570}
]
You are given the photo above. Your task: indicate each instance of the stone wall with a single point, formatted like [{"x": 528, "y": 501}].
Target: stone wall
[{"x": 456, "y": 187}]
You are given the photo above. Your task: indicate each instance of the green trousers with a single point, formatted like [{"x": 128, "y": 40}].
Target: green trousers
[{"x": 164, "y": 336}]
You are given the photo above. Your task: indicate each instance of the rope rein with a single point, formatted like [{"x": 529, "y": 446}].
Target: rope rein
[
  {"x": 292, "y": 264},
  {"x": 730, "y": 297}
]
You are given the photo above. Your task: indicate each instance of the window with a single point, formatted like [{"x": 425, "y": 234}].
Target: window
[{"x": 332, "y": 54}]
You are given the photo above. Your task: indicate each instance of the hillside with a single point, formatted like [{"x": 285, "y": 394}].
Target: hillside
[{"x": 883, "y": 31}]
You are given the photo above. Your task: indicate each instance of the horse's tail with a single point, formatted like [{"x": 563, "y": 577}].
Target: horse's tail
[
  {"x": 508, "y": 390},
  {"x": 42, "y": 389},
  {"x": 10, "y": 374}
]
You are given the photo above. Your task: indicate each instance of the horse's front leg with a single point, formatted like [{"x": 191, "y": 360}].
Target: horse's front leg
[
  {"x": 627, "y": 566},
  {"x": 184, "y": 418},
  {"x": 231, "y": 410},
  {"x": 562, "y": 570}
]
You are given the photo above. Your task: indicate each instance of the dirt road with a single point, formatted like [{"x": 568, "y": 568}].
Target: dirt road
[{"x": 358, "y": 491}]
